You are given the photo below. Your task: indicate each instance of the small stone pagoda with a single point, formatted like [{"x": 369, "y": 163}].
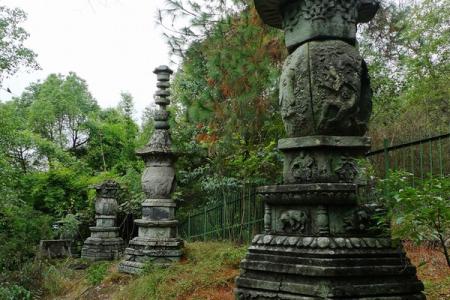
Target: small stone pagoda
[
  {"x": 157, "y": 239},
  {"x": 104, "y": 242},
  {"x": 319, "y": 242}
]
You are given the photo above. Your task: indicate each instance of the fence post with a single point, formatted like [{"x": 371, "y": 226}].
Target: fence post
[
  {"x": 204, "y": 223},
  {"x": 386, "y": 157},
  {"x": 223, "y": 216},
  {"x": 189, "y": 226}
]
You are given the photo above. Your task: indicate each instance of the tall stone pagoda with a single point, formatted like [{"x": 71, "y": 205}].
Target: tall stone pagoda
[
  {"x": 157, "y": 239},
  {"x": 319, "y": 243},
  {"x": 104, "y": 242}
]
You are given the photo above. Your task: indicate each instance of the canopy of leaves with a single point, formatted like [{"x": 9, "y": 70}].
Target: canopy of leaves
[
  {"x": 408, "y": 51},
  {"x": 13, "y": 53}
]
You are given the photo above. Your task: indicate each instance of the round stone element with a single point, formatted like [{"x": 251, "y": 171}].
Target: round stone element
[
  {"x": 325, "y": 90},
  {"x": 158, "y": 181}
]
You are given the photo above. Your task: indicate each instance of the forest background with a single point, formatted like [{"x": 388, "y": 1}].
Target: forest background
[{"x": 56, "y": 142}]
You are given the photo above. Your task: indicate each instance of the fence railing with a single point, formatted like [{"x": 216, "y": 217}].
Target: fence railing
[
  {"x": 423, "y": 158},
  {"x": 237, "y": 214},
  {"x": 234, "y": 214}
]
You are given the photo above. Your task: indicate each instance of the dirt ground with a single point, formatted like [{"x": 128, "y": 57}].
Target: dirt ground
[{"x": 431, "y": 268}]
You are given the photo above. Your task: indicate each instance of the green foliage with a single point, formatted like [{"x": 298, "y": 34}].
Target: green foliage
[
  {"x": 225, "y": 120},
  {"x": 21, "y": 228},
  {"x": 97, "y": 272},
  {"x": 408, "y": 53},
  {"x": 13, "y": 53},
  {"x": 59, "y": 191},
  {"x": 69, "y": 226},
  {"x": 420, "y": 212},
  {"x": 55, "y": 142},
  {"x": 14, "y": 292},
  {"x": 113, "y": 142},
  {"x": 60, "y": 108},
  {"x": 126, "y": 105}
]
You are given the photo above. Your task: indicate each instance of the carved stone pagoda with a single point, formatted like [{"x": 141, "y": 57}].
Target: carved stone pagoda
[
  {"x": 319, "y": 243},
  {"x": 157, "y": 239},
  {"x": 104, "y": 242}
]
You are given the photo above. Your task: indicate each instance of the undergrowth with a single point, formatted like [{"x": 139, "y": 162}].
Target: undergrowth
[
  {"x": 207, "y": 265},
  {"x": 206, "y": 272}
]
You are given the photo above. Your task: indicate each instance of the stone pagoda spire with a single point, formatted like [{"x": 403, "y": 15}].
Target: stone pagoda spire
[
  {"x": 104, "y": 242},
  {"x": 157, "y": 238},
  {"x": 319, "y": 243}
]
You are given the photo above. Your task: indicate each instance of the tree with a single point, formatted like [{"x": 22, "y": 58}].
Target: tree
[
  {"x": 408, "y": 53},
  {"x": 112, "y": 141},
  {"x": 13, "y": 53},
  {"x": 126, "y": 104},
  {"x": 59, "y": 109},
  {"x": 186, "y": 22}
]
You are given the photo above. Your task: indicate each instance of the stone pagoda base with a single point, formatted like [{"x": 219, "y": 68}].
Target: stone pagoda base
[
  {"x": 104, "y": 244},
  {"x": 162, "y": 252},
  {"x": 290, "y": 267}
]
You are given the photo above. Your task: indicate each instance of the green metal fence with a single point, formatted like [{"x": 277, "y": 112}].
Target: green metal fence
[
  {"x": 237, "y": 214},
  {"x": 423, "y": 158},
  {"x": 234, "y": 214}
]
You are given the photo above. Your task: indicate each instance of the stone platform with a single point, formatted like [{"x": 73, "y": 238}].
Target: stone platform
[
  {"x": 104, "y": 244},
  {"x": 292, "y": 267},
  {"x": 162, "y": 252}
]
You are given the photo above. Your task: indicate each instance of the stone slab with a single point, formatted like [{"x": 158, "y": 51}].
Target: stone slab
[
  {"x": 156, "y": 223},
  {"x": 312, "y": 193},
  {"x": 324, "y": 141},
  {"x": 159, "y": 203}
]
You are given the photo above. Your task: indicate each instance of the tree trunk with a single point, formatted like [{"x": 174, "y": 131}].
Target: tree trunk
[{"x": 444, "y": 248}]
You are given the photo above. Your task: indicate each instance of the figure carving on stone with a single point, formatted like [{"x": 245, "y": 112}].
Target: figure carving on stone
[
  {"x": 325, "y": 89},
  {"x": 304, "y": 168},
  {"x": 294, "y": 221},
  {"x": 365, "y": 219},
  {"x": 346, "y": 170}
]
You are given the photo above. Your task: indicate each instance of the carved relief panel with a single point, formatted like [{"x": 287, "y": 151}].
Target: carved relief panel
[{"x": 324, "y": 90}]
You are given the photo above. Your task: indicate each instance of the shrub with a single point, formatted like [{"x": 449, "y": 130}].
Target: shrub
[
  {"x": 14, "y": 292},
  {"x": 420, "y": 212},
  {"x": 21, "y": 228},
  {"x": 96, "y": 273}
]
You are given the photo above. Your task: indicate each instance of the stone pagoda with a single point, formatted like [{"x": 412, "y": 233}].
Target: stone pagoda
[
  {"x": 319, "y": 243},
  {"x": 104, "y": 242},
  {"x": 157, "y": 239}
]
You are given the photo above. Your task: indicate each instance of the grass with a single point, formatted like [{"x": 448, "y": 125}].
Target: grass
[
  {"x": 207, "y": 266},
  {"x": 207, "y": 272}
]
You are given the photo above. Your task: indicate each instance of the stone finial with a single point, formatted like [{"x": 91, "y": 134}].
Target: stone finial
[
  {"x": 160, "y": 142},
  {"x": 161, "y": 116}
]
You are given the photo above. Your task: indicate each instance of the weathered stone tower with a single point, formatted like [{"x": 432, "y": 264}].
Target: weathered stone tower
[
  {"x": 319, "y": 243},
  {"x": 104, "y": 242},
  {"x": 157, "y": 239}
]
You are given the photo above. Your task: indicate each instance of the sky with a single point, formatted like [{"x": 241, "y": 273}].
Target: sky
[{"x": 113, "y": 44}]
